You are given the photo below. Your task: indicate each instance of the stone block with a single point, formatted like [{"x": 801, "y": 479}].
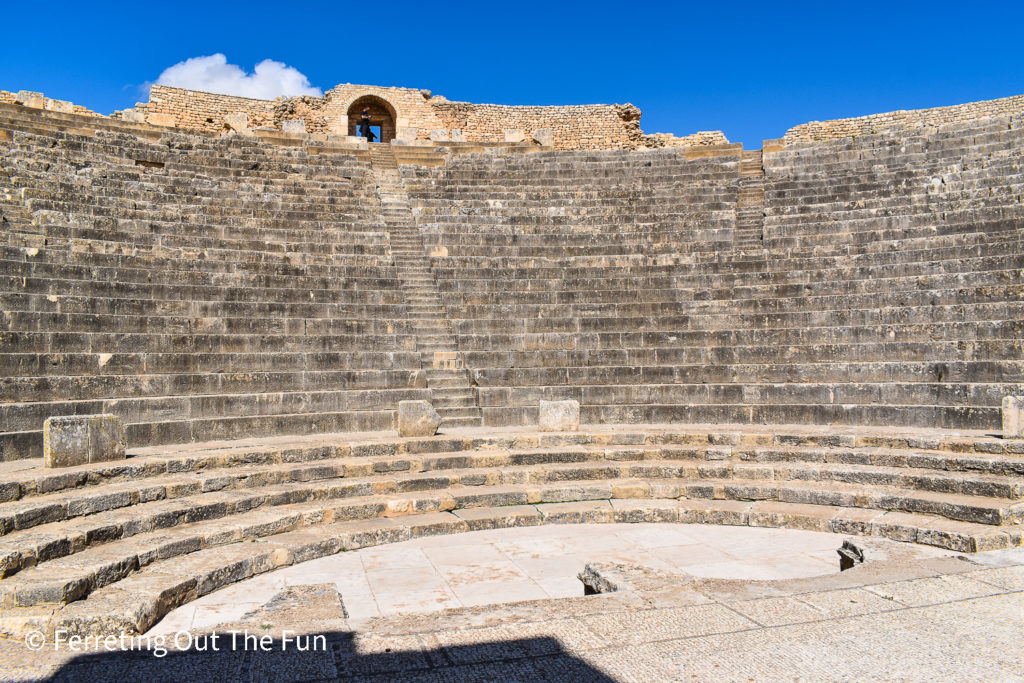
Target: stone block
[
  {"x": 406, "y": 133},
  {"x": 62, "y": 106},
  {"x": 559, "y": 416},
  {"x": 158, "y": 119},
  {"x": 294, "y": 126},
  {"x": 27, "y": 98},
  {"x": 238, "y": 122},
  {"x": 1013, "y": 417},
  {"x": 458, "y": 135},
  {"x": 440, "y": 135},
  {"x": 133, "y": 116},
  {"x": 80, "y": 439},
  {"x": 417, "y": 418},
  {"x": 514, "y": 135},
  {"x": 544, "y": 137}
]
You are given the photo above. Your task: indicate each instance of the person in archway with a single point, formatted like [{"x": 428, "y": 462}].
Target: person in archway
[{"x": 364, "y": 125}]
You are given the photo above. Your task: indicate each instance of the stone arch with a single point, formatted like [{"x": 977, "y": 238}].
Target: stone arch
[{"x": 382, "y": 113}]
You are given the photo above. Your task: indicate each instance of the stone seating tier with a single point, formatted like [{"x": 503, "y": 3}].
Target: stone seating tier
[
  {"x": 109, "y": 546},
  {"x": 959, "y": 173},
  {"x": 889, "y": 291},
  {"x": 552, "y": 293},
  {"x": 226, "y": 288}
]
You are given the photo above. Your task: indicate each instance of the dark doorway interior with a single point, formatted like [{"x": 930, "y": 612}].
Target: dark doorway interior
[{"x": 382, "y": 118}]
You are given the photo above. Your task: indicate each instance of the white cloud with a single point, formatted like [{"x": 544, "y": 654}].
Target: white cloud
[{"x": 212, "y": 73}]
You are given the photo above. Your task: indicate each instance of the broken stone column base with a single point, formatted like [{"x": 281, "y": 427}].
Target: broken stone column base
[
  {"x": 417, "y": 418},
  {"x": 559, "y": 416},
  {"x": 81, "y": 439}
]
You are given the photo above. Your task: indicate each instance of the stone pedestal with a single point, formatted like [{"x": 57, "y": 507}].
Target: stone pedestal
[
  {"x": 559, "y": 416},
  {"x": 81, "y": 439},
  {"x": 294, "y": 126},
  {"x": 417, "y": 418},
  {"x": 1013, "y": 417}
]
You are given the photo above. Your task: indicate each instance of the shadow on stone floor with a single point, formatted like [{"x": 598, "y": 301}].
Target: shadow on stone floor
[{"x": 333, "y": 656}]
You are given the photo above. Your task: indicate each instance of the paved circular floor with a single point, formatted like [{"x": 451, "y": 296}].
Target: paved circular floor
[{"x": 526, "y": 563}]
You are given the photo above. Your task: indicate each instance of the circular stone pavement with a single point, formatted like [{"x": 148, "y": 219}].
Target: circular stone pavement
[{"x": 529, "y": 563}]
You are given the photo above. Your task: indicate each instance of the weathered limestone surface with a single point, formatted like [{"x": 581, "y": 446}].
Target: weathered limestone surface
[
  {"x": 1013, "y": 417},
  {"x": 81, "y": 439},
  {"x": 417, "y": 418},
  {"x": 559, "y": 416}
]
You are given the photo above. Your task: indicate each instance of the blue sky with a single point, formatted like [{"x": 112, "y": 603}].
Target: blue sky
[{"x": 750, "y": 69}]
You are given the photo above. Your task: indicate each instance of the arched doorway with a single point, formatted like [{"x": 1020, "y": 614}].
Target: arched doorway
[{"x": 382, "y": 117}]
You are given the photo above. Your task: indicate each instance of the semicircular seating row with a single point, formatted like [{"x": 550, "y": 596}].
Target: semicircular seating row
[{"x": 112, "y": 547}]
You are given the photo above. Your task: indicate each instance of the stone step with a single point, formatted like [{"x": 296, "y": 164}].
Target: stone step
[
  {"x": 950, "y": 453},
  {"x": 450, "y": 411},
  {"x": 461, "y": 422}
]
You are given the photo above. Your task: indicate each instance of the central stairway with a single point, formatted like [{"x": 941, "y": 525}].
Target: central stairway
[
  {"x": 455, "y": 397},
  {"x": 750, "y": 208}
]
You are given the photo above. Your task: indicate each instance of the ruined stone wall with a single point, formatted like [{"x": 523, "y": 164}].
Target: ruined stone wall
[
  {"x": 418, "y": 116},
  {"x": 916, "y": 118},
  {"x": 589, "y": 126},
  {"x": 203, "y": 111}
]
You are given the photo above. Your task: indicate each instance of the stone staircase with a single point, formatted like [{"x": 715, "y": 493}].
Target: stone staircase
[
  {"x": 449, "y": 381},
  {"x": 750, "y": 207},
  {"x": 111, "y": 547}
]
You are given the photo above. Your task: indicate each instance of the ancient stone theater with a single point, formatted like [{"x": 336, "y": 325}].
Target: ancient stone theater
[{"x": 238, "y": 338}]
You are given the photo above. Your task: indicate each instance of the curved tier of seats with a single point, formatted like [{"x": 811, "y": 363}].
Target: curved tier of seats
[
  {"x": 199, "y": 288},
  {"x": 888, "y": 291},
  {"x": 105, "y": 547}
]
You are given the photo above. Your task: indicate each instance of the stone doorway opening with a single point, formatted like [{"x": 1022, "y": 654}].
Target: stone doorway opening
[{"x": 382, "y": 117}]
